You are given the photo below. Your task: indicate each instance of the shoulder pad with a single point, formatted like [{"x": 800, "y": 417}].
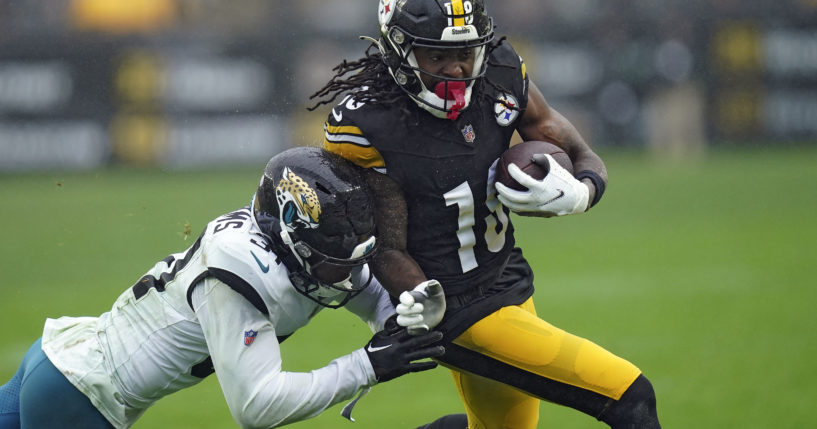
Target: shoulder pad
[
  {"x": 243, "y": 262},
  {"x": 345, "y": 135},
  {"x": 513, "y": 78},
  {"x": 506, "y": 55}
]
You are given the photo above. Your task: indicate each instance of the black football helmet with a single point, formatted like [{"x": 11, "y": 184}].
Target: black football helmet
[
  {"x": 317, "y": 210},
  {"x": 438, "y": 24}
]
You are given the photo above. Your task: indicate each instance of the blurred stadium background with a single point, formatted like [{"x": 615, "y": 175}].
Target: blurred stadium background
[
  {"x": 126, "y": 125},
  {"x": 188, "y": 83}
]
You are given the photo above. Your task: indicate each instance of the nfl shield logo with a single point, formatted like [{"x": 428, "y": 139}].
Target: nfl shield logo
[
  {"x": 249, "y": 337},
  {"x": 468, "y": 133}
]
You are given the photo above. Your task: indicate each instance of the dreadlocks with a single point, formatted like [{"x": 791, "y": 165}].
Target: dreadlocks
[{"x": 371, "y": 83}]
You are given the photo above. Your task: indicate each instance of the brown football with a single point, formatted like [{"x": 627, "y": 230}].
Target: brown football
[{"x": 520, "y": 154}]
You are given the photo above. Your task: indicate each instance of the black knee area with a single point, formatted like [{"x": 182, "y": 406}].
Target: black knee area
[
  {"x": 635, "y": 410},
  {"x": 451, "y": 421}
]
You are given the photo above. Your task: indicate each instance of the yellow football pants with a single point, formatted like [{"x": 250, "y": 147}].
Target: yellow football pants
[{"x": 516, "y": 336}]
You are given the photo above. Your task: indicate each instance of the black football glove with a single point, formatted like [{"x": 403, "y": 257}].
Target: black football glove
[{"x": 392, "y": 350}]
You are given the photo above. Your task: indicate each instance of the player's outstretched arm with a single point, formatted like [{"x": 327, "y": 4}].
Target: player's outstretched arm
[{"x": 260, "y": 393}]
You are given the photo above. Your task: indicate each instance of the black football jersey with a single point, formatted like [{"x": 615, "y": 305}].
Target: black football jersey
[{"x": 458, "y": 232}]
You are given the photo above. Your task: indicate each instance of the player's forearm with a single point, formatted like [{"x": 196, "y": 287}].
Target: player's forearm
[
  {"x": 558, "y": 129},
  {"x": 397, "y": 271},
  {"x": 278, "y": 399},
  {"x": 540, "y": 121},
  {"x": 586, "y": 160},
  {"x": 257, "y": 391},
  {"x": 589, "y": 161}
]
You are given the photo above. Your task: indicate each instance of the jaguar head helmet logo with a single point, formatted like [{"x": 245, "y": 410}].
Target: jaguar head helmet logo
[{"x": 298, "y": 203}]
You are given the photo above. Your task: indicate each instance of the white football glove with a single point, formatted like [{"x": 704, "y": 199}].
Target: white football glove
[
  {"x": 421, "y": 309},
  {"x": 557, "y": 194}
]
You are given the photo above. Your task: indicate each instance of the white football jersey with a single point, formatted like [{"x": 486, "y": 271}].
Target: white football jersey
[{"x": 223, "y": 305}]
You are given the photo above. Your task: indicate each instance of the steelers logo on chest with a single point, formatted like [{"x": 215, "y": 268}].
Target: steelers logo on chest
[{"x": 506, "y": 109}]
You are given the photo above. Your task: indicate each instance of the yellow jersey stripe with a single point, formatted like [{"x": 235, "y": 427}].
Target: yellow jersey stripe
[
  {"x": 336, "y": 134},
  {"x": 364, "y": 156},
  {"x": 458, "y": 10},
  {"x": 342, "y": 129}
]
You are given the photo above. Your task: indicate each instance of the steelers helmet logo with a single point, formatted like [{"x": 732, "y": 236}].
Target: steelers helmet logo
[
  {"x": 506, "y": 109},
  {"x": 385, "y": 11}
]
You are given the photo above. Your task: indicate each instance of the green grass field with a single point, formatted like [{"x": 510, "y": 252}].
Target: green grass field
[{"x": 701, "y": 273}]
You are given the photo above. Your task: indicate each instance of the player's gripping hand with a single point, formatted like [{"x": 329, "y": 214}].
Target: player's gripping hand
[
  {"x": 393, "y": 351},
  {"x": 557, "y": 194},
  {"x": 421, "y": 309}
]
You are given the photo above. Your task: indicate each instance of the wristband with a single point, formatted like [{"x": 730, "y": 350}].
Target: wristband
[{"x": 598, "y": 182}]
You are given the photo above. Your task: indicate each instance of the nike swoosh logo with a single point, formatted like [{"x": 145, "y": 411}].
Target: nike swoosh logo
[
  {"x": 372, "y": 349},
  {"x": 264, "y": 268},
  {"x": 338, "y": 116},
  {"x": 561, "y": 194}
]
